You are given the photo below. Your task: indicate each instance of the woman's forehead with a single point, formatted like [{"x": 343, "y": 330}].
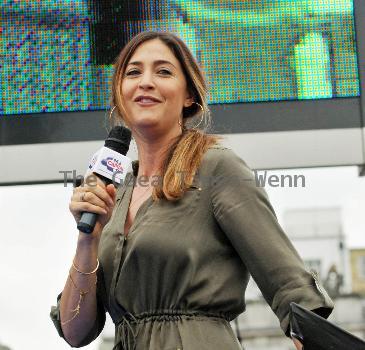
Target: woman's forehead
[{"x": 153, "y": 51}]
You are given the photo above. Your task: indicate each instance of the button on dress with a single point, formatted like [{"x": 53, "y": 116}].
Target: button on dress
[{"x": 179, "y": 277}]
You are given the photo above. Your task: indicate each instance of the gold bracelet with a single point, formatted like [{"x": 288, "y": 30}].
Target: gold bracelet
[
  {"x": 86, "y": 273},
  {"x": 82, "y": 293}
]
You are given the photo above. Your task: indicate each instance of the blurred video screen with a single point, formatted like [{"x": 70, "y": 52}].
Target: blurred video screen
[{"x": 57, "y": 56}]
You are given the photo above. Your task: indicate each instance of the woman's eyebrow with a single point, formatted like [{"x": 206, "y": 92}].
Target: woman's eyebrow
[{"x": 157, "y": 62}]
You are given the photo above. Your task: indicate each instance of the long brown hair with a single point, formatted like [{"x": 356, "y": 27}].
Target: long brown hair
[{"x": 185, "y": 153}]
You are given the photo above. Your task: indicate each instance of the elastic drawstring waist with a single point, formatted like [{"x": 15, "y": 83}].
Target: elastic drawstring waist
[{"x": 126, "y": 335}]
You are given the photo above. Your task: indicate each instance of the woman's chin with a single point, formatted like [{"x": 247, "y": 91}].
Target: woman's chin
[{"x": 147, "y": 124}]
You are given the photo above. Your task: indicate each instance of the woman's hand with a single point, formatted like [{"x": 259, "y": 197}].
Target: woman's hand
[
  {"x": 94, "y": 198},
  {"x": 298, "y": 344}
]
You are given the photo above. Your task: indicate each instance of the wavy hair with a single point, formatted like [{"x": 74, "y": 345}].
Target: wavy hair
[{"x": 185, "y": 152}]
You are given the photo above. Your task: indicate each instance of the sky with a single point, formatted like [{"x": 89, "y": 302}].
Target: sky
[{"x": 38, "y": 241}]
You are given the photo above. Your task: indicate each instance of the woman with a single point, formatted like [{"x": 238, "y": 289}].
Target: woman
[{"x": 169, "y": 259}]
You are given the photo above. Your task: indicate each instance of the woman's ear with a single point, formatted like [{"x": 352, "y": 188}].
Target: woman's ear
[{"x": 188, "y": 101}]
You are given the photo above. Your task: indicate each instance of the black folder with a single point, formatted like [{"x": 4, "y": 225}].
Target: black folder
[{"x": 316, "y": 333}]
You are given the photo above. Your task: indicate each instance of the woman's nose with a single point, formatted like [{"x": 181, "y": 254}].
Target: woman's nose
[{"x": 146, "y": 81}]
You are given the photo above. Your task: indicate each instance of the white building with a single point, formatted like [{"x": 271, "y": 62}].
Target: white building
[{"x": 318, "y": 236}]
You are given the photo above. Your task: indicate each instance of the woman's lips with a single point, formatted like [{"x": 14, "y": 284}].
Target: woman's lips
[{"x": 146, "y": 103}]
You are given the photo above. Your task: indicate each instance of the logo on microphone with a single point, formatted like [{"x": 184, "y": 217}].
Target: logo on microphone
[{"x": 112, "y": 164}]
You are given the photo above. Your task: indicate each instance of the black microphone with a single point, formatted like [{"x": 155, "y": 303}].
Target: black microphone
[{"x": 110, "y": 165}]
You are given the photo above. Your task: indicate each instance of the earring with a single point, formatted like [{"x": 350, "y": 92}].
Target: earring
[
  {"x": 183, "y": 127},
  {"x": 202, "y": 116},
  {"x": 201, "y": 119},
  {"x": 111, "y": 113},
  {"x": 201, "y": 107},
  {"x": 121, "y": 119}
]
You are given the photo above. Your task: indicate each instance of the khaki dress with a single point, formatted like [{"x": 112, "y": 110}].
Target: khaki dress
[{"x": 179, "y": 277}]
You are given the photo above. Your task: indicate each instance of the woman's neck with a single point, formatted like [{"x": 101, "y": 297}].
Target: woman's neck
[{"x": 151, "y": 153}]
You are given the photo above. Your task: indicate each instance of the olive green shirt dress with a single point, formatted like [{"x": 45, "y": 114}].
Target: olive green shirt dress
[{"x": 179, "y": 277}]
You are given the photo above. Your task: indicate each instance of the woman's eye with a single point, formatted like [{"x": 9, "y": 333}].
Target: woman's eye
[
  {"x": 165, "y": 71},
  {"x": 161, "y": 71},
  {"x": 131, "y": 71}
]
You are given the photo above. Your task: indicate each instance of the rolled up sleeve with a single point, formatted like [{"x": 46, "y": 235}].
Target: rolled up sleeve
[
  {"x": 94, "y": 331},
  {"x": 245, "y": 214}
]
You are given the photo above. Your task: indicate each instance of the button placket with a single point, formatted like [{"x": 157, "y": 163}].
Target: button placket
[
  {"x": 118, "y": 255},
  {"x": 139, "y": 215},
  {"x": 116, "y": 263}
]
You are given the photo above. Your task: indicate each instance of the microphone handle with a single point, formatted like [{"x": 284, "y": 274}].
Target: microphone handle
[{"x": 88, "y": 220}]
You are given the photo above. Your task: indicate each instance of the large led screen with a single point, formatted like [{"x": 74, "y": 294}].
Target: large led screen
[{"x": 57, "y": 56}]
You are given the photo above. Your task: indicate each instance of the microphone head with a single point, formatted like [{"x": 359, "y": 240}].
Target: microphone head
[{"x": 119, "y": 139}]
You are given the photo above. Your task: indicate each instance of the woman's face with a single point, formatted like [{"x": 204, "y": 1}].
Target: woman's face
[{"x": 154, "y": 71}]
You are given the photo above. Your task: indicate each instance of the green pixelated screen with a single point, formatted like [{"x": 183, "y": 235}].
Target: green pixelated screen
[{"x": 57, "y": 56}]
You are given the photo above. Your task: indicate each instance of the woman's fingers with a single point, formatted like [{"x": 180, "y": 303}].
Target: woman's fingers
[
  {"x": 92, "y": 198},
  {"x": 87, "y": 207},
  {"x": 96, "y": 195},
  {"x": 112, "y": 192},
  {"x": 98, "y": 199}
]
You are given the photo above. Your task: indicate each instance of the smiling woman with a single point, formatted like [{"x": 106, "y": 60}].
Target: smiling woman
[
  {"x": 158, "y": 88},
  {"x": 155, "y": 83},
  {"x": 170, "y": 262}
]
